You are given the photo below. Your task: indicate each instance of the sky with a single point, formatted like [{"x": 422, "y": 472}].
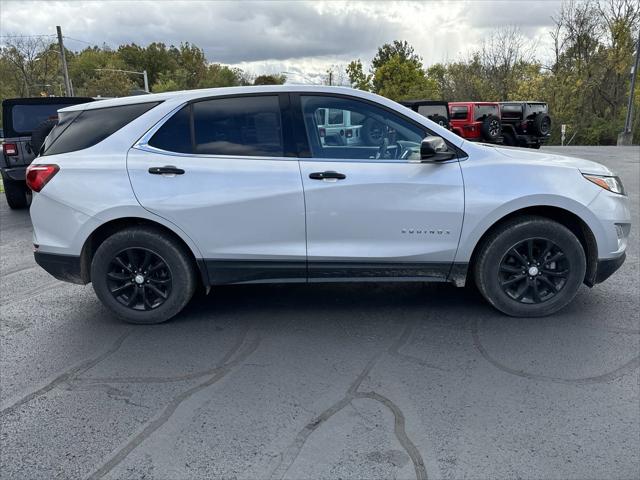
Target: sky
[{"x": 299, "y": 37}]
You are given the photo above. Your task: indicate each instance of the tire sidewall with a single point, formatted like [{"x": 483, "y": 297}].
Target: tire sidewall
[
  {"x": 490, "y": 260},
  {"x": 182, "y": 274}
]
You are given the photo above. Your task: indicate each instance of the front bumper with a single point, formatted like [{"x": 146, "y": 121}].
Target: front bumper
[
  {"x": 607, "y": 267},
  {"x": 67, "y": 268}
]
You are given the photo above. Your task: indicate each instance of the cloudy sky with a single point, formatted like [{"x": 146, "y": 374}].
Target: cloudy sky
[{"x": 304, "y": 38}]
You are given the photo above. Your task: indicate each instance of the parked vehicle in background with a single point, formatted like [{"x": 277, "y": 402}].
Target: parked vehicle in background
[
  {"x": 337, "y": 127},
  {"x": 147, "y": 197},
  {"x": 476, "y": 121},
  {"x": 26, "y": 122},
  {"x": 435, "y": 110},
  {"x": 525, "y": 124}
]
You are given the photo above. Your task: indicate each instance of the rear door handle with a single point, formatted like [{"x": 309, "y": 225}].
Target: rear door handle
[
  {"x": 327, "y": 175},
  {"x": 167, "y": 169}
]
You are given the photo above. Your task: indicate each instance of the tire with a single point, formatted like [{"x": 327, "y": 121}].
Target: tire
[
  {"x": 542, "y": 124},
  {"x": 17, "y": 193},
  {"x": 491, "y": 129},
  {"x": 40, "y": 134},
  {"x": 509, "y": 139},
  {"x": 440, "y": 120},
  {"x": 536, "y": 146},
  {"x": 176, "y": 278},
  {"x": 498, "y": 271}
]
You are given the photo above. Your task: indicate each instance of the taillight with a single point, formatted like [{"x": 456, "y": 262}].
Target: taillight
[
  {"x": 349, "y": 133},
  {"x": 10, "y": 149},
  {"x": 39, "y": 175}
]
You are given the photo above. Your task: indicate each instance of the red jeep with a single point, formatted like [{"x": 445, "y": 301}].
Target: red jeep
[{"x": 476, "y": 121}]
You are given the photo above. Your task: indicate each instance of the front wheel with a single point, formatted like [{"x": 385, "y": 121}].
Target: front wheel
[
  {"x": 143, "y": 275},
  {"x": 530, "y": 267}
]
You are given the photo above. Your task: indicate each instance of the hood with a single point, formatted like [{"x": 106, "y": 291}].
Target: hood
[{"x": 542, "y": 158}]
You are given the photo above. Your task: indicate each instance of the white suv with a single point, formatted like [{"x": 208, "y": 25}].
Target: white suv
[{"x": 149, "y": 196}]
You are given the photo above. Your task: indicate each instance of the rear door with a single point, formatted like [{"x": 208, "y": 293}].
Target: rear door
[
  {"x": 373, "y": 209},
  {"x": 219, "y": 170}
]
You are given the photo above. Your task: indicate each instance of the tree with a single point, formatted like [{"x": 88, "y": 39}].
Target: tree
[
  {"x": 270, "y": 79},
  {"x": 357, "y": 78},
  {"x": 399, "y": 79},
  {"x": 397, "y": 48}
]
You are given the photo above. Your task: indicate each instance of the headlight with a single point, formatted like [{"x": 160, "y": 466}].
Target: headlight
[{"x": 613, "y": 184}]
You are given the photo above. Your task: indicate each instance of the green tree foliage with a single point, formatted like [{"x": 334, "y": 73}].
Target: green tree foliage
[{"x": 270, "y": 80}]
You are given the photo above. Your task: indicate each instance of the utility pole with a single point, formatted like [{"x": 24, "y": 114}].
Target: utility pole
[
  {"x": 146, "y": 81},
  {"x": 63, "y": 61},
  {"x": 626, "y": 137}
]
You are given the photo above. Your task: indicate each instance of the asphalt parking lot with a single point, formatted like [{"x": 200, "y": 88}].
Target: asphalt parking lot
[{"x": 320, "y": 381}]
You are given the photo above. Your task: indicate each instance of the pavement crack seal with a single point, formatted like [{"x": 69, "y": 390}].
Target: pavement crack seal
[
  {"x": 625, "y": 369},
  {"x": 289, "y": 456},
  {"x": 67, "y": 375},
  {"x": 226, "y": 366}
]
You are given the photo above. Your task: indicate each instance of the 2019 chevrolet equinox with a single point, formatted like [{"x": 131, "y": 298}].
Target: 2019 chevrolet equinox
[{"x": 148, "y": 196}]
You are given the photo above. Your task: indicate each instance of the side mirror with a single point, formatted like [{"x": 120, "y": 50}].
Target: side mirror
[{"x": 434, "y": 149}]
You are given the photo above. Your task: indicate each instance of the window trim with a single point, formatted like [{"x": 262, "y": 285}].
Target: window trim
[
  {"x": 296, "y": 144},
  {"x": 304, "y": 149},
  {"x": 283, "y": 103}
]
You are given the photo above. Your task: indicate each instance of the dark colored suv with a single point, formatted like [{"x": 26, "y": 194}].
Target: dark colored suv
[
  {"x": 26, "y": 123},
  {"x": 435, "y": 110},
  {"x": 525, "y": 124}
]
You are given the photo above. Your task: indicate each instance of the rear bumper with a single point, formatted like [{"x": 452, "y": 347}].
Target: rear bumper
[
  {"x": 15, "y": 173},
  {"x": 67, "y": 268},
  {"x": 605, "y": 268}
]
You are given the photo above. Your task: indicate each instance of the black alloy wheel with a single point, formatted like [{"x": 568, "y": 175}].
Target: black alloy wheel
[
  {"x": 494, "y": 128},
  {"x": 139, "y": 278},
  {"x": 534, "y": 271}
]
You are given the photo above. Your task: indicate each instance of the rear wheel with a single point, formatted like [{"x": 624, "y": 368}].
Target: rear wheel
[
  {"x": 17, "y": 193},
  {"x": 142, "y": 275},
  {"x": 491, "y": 128},
  {"x": 530, "y": 267}
]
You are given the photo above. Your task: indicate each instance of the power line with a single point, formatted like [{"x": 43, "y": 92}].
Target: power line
[
  {"x": 78, "y": 40},
  {"x": 26, "y": 36}
]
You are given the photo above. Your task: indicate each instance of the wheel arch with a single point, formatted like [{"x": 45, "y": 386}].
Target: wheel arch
[
  {"x": 565, "y": 217},
  {"x": 106, "y": 229}
]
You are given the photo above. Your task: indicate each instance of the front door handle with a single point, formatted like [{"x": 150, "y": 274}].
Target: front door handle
[
  {"x": 166, "y": 170},
  {"x": 327, "y": 175}
]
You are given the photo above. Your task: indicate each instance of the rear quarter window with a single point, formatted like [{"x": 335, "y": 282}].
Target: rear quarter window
[
  {"x": 480, "y": 112},
  {"x": 459, "y": 112},
  {"x": 89, "y": 127}
]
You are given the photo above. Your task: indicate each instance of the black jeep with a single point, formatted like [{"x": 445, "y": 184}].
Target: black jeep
[
  {"x": 435, "y": 110},
  {"x": 525, "y": 124},
  {"x": 26, "y": 122}
]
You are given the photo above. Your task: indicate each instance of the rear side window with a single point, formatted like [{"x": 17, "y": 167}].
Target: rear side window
[
  {"x": 242, "y": 126},
  {"x": 430, "y": 111},
  {"x": 459, "y": 112},
  {"x": 483, "y": 111},
  {"x": 175, "y": 134},
  {"x": 90, "y": 127},
  {"x": 511, "y": 111}
]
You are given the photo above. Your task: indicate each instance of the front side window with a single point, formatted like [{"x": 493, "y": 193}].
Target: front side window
[
  {"x": 367, "y": 132},
  {"x": 246, "y": 126},
  {"x": 84, "y": 129}
]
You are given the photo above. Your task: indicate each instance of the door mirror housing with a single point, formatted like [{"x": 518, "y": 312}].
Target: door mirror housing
[{"x": 434, "y": 149}]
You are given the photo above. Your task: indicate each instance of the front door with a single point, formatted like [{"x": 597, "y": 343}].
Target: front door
[
  {"x": 373, "y": 210},
  {"x": 217, "y": 169}
]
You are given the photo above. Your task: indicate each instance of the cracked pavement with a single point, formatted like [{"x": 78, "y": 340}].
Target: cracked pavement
[{"x": 319, "y": 381}]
